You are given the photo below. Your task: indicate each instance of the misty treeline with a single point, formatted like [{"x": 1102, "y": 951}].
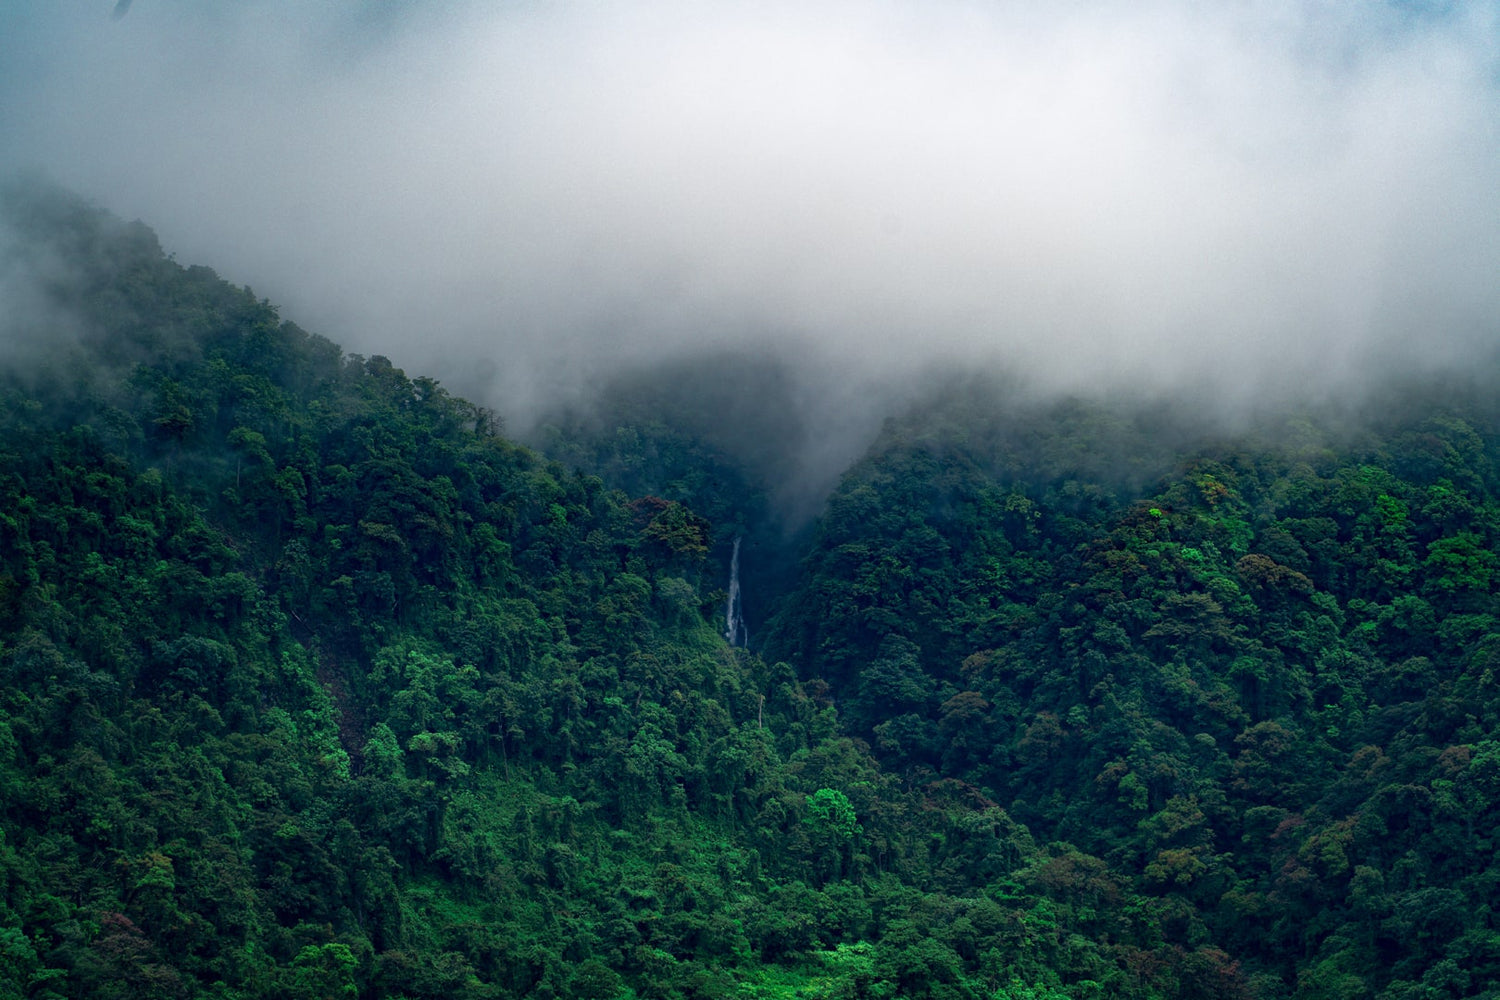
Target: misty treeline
[{"x": 317, "y": 686}]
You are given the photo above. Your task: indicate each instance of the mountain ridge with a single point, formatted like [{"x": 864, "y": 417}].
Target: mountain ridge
[{"x": 317, "y": 685}]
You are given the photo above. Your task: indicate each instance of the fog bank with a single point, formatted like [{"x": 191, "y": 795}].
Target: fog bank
[{"x": 1254, "y": 198}]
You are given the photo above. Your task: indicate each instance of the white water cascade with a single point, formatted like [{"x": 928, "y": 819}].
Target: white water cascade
[{"x": 734, "y": 618}]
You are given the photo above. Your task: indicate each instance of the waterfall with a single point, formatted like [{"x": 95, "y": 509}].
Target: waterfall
[{"x": 734, "y": 619}]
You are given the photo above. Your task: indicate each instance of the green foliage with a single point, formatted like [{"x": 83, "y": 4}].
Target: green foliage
[
  {"x": 829, "y": 812},
  {"x": 1224, "y": 690},
  {"x": 315, "y": 686}
]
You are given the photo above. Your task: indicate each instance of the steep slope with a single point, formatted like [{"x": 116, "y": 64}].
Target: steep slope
[
  {"x": 314, "y": 685},
  {"x": 1258, "y": 690}
]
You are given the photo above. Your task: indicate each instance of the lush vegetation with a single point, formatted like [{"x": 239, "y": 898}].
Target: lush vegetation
[
  {"x": 314, "y": 685},
  {"x": 1251, "y": 708}
]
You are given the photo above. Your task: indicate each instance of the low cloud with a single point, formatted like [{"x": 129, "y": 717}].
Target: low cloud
[{"x": 524, "y": 198}]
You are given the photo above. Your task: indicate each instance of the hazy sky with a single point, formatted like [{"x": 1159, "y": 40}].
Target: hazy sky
[{"x": 499, "y": 193}]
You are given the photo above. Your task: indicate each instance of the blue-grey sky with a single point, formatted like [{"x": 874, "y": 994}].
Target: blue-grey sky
[{"x": 521, "y": 196}]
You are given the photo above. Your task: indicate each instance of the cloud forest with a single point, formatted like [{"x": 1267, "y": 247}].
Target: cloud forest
[
  {"x": 547, "y": 501},
  {"x": 317, "y": 685}
]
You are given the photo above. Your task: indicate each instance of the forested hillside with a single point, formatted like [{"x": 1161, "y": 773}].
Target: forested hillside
[
  {"x": 1256, "y": 698},
  {"x": 315, "y": 685}
]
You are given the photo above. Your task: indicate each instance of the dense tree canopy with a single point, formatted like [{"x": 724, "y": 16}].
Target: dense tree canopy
[{"x": 315, "y": 685}]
